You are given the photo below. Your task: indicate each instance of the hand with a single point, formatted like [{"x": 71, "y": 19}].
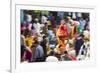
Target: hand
[{"x": 29, "y": 49}]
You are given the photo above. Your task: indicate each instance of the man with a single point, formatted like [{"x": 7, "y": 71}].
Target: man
[
  {"x": 78, "y": 43},
  {"x": 37, "y": 26},
  {"x": 85, "y": 48},
  {"x": 37, "y": 52}
]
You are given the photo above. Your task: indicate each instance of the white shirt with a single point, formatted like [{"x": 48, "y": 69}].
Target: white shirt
[
  {"x": 51, "y": 59},
  {"x": 43, "y": 19},
  {"x": 37, "y": 27}
]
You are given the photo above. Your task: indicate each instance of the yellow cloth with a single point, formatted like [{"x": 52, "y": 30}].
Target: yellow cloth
[
  {"x": 29, "y": 41},
  {"x": 72, "y": 31}
]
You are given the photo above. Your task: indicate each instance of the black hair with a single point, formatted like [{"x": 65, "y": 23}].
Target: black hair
[
  {"x": 81, "y": 35},
  {"x": 44, "y": 36},
  {"x": 65, "y": 52},
  {"x": 45, "y": 23},
  {"x": 52, "y": 53},
  {"x": 22, "y": 24}
]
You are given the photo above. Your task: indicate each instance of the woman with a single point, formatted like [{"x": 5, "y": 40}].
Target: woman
[{"x": 62, "y": 35}]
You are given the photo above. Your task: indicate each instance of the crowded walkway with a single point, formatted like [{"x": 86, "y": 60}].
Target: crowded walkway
[{"x": 51, "y": 36}]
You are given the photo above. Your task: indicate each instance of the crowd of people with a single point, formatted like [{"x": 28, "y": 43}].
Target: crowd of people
[{"x": 49, "y": 38}]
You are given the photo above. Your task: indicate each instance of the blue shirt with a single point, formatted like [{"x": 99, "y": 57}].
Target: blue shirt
[{"x": 39, "y": 52}]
